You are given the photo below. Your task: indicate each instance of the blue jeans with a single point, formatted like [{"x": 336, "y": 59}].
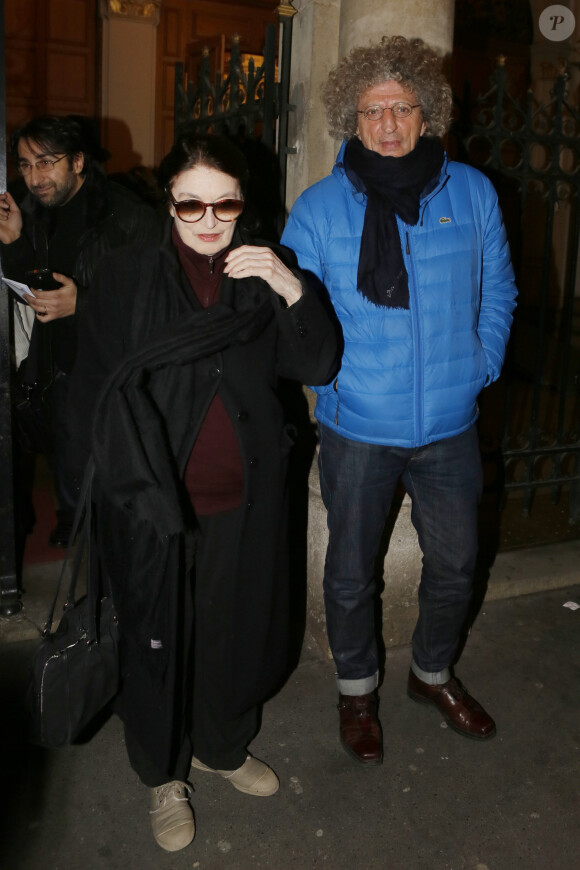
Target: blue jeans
[{"x": 358, "y": 480}]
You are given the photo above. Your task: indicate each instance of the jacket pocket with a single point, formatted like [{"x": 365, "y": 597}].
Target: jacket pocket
[
  {"x": 481, "y": 374},
  {"x": 335, "y": 388},
  {"x": 288, "y": 438}
]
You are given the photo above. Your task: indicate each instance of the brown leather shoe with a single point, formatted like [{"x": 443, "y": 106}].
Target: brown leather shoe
[
  {"x": 461, "y": 711},
  {"x": 360, "y": 729}
]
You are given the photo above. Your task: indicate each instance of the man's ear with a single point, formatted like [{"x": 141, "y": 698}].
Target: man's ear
[{"x": 78, "y": 162}]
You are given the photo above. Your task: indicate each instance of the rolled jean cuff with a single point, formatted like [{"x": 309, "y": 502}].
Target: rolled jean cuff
[
  {"x": 358, "y": 687},
  {"x": 433, "y": 679}
]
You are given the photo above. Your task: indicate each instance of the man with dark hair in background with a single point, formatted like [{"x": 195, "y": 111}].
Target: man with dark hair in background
[{"x": 52, "y": 240}]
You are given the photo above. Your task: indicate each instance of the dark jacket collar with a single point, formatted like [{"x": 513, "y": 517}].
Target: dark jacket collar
[{"x": 237, "y": 295}]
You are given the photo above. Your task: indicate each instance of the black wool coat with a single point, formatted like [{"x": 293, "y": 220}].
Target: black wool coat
[{"x": 150, "y": 361}]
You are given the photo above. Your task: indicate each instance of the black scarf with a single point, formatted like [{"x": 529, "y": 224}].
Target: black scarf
[
  {"x": 393, "y": 186},
  {"x": 142, "y": 472}
]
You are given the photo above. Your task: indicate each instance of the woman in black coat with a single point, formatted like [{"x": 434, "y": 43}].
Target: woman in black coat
[{"x": 175, "y": 393}]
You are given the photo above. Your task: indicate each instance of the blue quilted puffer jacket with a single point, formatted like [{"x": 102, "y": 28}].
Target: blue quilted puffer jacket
[{"x": 412, "y": 376}]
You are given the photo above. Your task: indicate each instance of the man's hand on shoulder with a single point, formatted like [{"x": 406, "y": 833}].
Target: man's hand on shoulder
[
  {"x": 10, "y": 219},
  {"x": 53, "y": 304}
]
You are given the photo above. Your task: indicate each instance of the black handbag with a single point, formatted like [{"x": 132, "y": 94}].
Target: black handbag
[{"x": 76, "y": 668}]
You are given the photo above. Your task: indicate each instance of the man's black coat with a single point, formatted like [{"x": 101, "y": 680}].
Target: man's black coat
[{"x": 123, "y": 219}]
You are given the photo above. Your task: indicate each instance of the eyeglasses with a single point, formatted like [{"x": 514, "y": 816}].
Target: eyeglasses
[
  {"x": 44, "y": 165},
  {"x": 192, "y": 210},
  {"x": 399, "y": 110}
]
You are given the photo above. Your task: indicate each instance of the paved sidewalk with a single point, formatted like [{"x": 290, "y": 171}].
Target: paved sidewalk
[{"x": 439, "y": 801}]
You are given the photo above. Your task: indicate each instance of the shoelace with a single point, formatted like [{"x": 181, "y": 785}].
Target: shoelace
[
  {"x": 457, "y": 690},
  {"x": 177, "y": 790},
  {"x": 361, "y": 709}
]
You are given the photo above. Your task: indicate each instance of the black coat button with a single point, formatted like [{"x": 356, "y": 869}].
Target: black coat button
[
  {"x": 253, "y": 461},
  {"x": 214, "y": 372},
  {"x": 242, "y": 416},
  {"x": 250, "y": 505}
]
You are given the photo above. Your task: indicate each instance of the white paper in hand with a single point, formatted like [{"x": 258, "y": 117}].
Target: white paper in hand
[{"x": 22, "y": 290}]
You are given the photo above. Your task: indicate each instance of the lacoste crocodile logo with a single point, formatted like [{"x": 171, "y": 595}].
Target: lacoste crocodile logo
[{"x": 444, "y": 220}]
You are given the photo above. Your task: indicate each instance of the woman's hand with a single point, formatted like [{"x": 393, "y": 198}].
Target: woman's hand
[
  {"x": 250, "y": 261},
  {"x": 53, "y": 304}
]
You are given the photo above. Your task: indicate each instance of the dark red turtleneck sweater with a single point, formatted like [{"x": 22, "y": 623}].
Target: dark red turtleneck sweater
[{"x": 214, "y": 475}]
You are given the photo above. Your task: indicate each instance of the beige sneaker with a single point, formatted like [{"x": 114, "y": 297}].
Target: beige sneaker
[
  {"x": 172, "y": 816},
  {"x": 253, "y": 777}
]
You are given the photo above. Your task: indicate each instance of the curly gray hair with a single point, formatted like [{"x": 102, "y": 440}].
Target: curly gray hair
[{"x": 408, "y": 61}]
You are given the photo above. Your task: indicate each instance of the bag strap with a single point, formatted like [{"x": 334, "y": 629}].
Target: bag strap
[
  {"x": 92, "y": 580},
  {"x": 83, "y": 511}
]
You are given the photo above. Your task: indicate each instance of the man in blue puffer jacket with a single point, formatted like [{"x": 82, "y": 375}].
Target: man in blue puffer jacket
[{"x": 414, "y": 254}]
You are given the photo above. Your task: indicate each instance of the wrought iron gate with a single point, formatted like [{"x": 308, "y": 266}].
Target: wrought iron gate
[
  {"x": 251, "y": 100},
  {"x": 532, "y": 153}
]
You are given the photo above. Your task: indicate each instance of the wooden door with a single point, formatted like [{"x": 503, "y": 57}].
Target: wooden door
[{"x": 52, "y": 60}]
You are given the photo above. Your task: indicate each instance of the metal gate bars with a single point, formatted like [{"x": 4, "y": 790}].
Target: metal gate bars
[
  {"x": 248, "y": 101},
  {"x": 532, "y": 153}
]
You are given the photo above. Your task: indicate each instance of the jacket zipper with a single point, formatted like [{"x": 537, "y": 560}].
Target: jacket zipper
[
  {"x": 335, "y": 388},
  {"x": 417, "y": 349},
  {"x": 211, "y": 264},
  {"x": 415, "y": 317}
]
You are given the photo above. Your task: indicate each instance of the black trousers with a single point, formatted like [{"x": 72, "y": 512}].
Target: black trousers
[{"x": 218, "y": 741}]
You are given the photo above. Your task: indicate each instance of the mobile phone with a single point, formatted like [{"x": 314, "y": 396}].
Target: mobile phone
[{"x": 41, "y": 279}]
